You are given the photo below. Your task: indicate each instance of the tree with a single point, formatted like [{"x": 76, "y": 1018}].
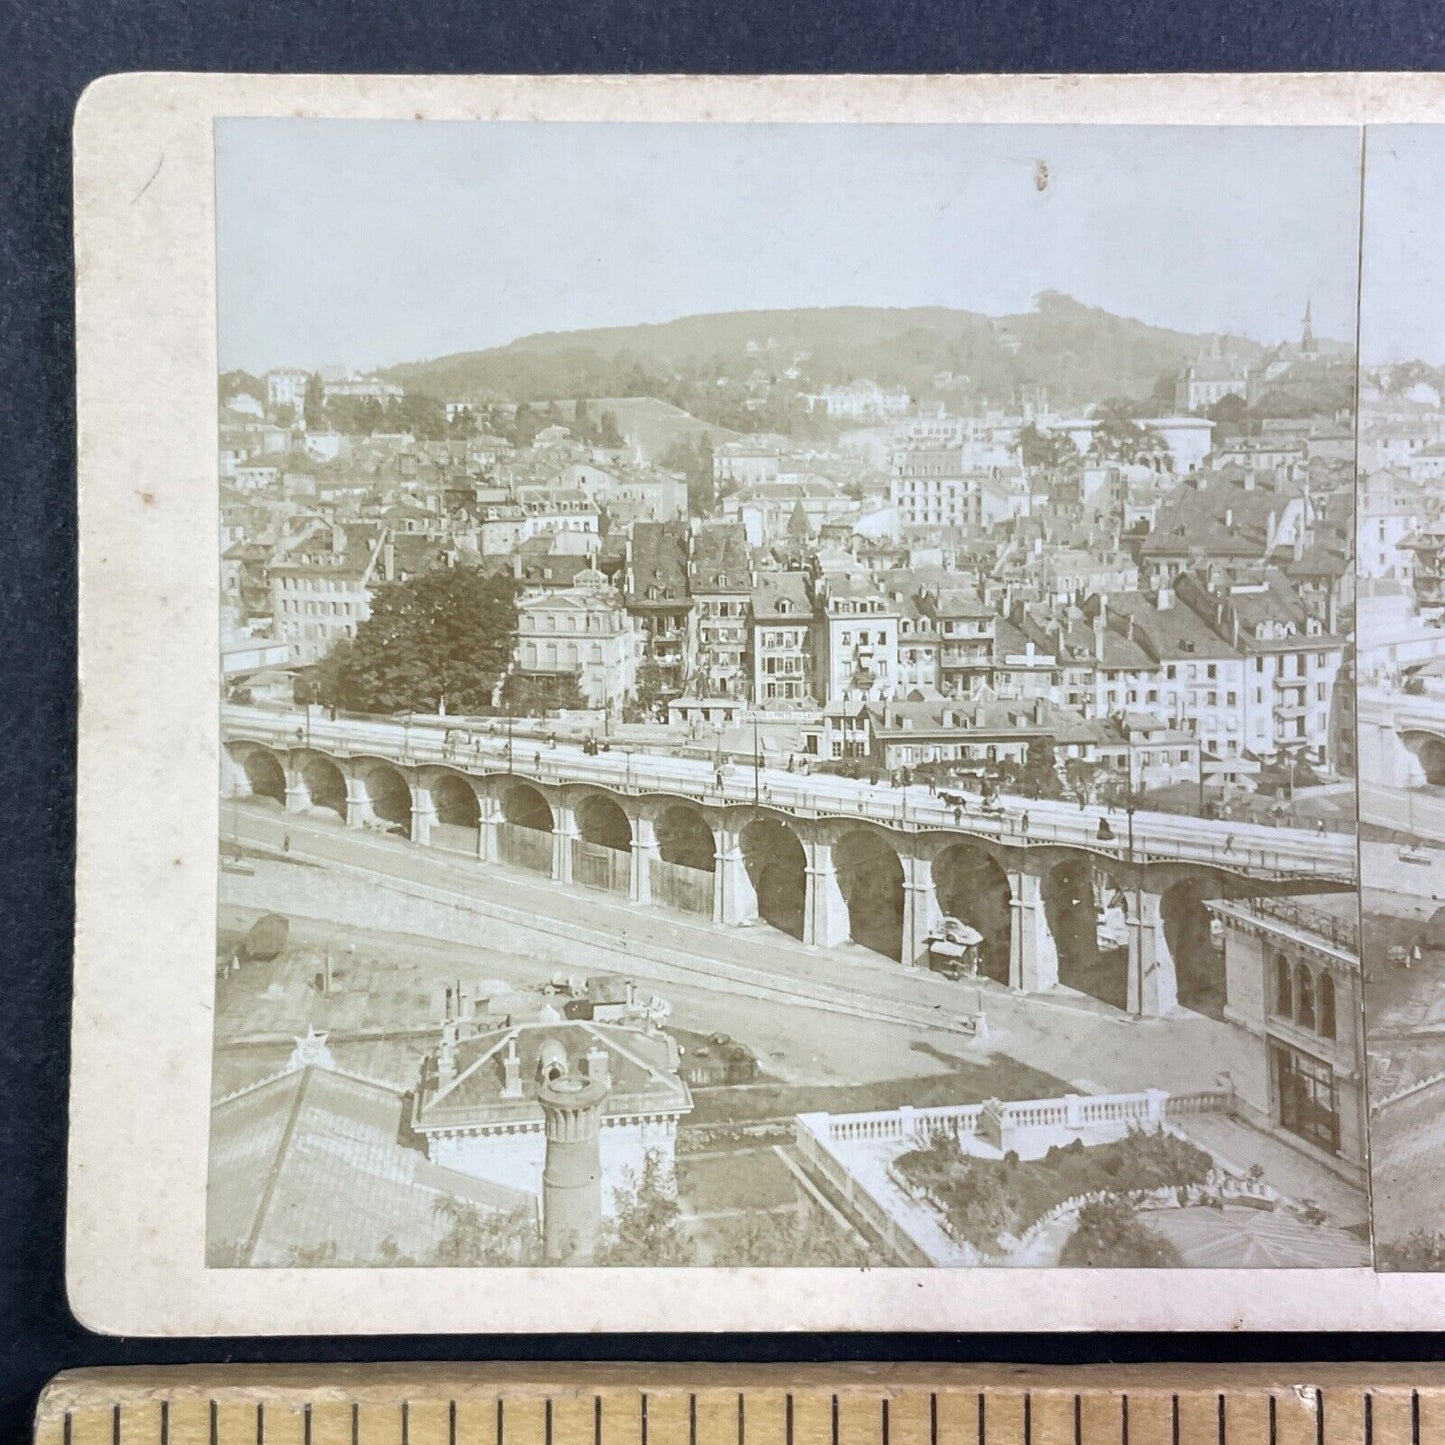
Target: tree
[
  {"x": 1120, "y": 437},
  {"x": 1230, "y": 416},
  {"x": 531, "y": 694},
  {"x": 809, "y": 1237},
  {"x": 1046, "y": 449},
  {"x": 1081, "y": 775},
  {"x": 610, "y": 433},
  {"x": 475, "y": 1237},
  {"x": 1422, "y": 1252},
  {"x": 231, "y": 384},
  {"x": 314, "y": 404},
  {"x": 693, "y": 458},
  {"x": 646, "y": 1227},
  {"x": 1109, "y": 1235},
  {"x": 444, "y": 636},
  {"x": 651, "y": 691},
  {"x": 1039, "y": 777}
]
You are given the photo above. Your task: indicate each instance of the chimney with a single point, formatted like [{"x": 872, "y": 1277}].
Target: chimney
[
  {"x": 597, "y": 1066},
  {"x": 388, "y": 561},
  {"x": 511, "y": 1071},
  {"x": 447, "y": 1054}
]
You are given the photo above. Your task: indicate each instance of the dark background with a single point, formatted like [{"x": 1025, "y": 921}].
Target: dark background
[{"x": 49, "y": 51}]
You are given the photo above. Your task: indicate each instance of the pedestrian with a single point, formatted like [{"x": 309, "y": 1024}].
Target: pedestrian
[
  {"x": 958, "y": 814},
  {"x": 286, "y": 842},
  {"x": 1024, "y": 821},
  {"x": 537, "y": 760},
  {"x": 1320, "y": 826},
  {"x": 1416, "y": 955},
  {"x": 1083, "y": 800},
  {"x": 1229, "y": 843}
]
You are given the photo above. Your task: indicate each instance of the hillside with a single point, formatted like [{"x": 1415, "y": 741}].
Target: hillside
[{"x": 1077, "y": 353}]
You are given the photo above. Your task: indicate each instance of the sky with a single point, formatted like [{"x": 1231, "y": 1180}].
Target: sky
[
  {"x": 1402, "y": 294},
  {"x": 368, "y": 243}
]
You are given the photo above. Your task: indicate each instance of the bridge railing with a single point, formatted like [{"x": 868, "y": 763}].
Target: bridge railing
[{"x": 1155, "y": 837}]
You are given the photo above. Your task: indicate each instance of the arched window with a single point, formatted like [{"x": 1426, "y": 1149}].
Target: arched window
[
  {"x": 1283, "y": 987},
  {"x": 1304, "y": 998},
  {"x": 1327, "y": 1006}
]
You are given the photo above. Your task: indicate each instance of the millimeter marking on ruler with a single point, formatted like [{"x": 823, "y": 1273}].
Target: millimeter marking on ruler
[{"x": 743, "y": 1405}]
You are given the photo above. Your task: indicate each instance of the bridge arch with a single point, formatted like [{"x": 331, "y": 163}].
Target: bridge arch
[
  {"x": 602, "y": 821},
  {"x": 870, "y": 878},
  {"x": 971, "y": 886},
  {"x": 1087, "y": 913},
  {"x": 323, "y": 783},
  {"x": 388, "y": 794},
  {"x": 685, "y": 839},
  {"x": 265, "y": 773},
  {"x": 602, "y": 849},
  {"x": 1429, "y": 750},
  {"x": 777, "y": 868},
  {"x": 524, "y": 836},
  {"x": 455, "y": 801},
  {"x": 1198, "y": 964},
  {"x": 523, "y": 806}
]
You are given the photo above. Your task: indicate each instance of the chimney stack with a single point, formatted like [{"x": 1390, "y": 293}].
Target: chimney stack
[
  {"x": 572, "y": 1173},
  {"x": 511, "y": 1071},
  {"x": 597, "y": 1066}
]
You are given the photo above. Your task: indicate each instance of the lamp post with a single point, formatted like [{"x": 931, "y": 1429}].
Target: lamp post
[{"x": 757, "y": 765}]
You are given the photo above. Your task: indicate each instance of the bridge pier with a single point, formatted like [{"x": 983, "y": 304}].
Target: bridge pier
[
  {"x": 644, "y": 850},
  {"x": 358, "y": 803},
  {"x": 423, "y": 814},
  {"x": 734, "y": 901},
  {"x": 564, "y": 830},
  {"x": 1153, "y": 983},
  {"x": 921, "y": 913},
  {"x": 489, "y": 843},
  {"x": 1033, "y": 959},
  {"x": 825, "y": 910}
]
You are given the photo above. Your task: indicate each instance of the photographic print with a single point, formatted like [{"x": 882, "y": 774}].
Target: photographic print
[
  {"x": 787, "y": 696},
  {"x": 1401, "y": 706}
]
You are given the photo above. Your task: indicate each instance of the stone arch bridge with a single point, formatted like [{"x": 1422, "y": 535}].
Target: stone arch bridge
[{"x": 825, "y": 868}]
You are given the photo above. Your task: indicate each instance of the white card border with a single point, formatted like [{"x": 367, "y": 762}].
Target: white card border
[{"x": 148, "y": 750}]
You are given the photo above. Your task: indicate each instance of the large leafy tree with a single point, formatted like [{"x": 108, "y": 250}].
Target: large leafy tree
[
  {"x": 646, "y": 1226},
  {"x": 1120, "y": 436},
  {"x": 809, "y": 1237},
  {"x": 1109, "y": 1235},
  {"x": 1046, "y": 449},
  {"x": 445, "y": 636}
]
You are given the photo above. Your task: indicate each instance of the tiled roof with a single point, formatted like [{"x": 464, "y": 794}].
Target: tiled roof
[{"x": 318, "y": 1156}]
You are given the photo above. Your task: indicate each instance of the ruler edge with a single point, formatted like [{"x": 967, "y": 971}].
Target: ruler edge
[{"x": 119, "y": 1386}]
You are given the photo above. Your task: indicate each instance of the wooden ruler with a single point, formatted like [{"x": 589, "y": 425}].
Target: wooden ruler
[{"x": 745, "y": 1405}]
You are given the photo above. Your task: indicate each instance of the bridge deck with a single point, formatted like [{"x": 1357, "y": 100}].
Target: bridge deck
[{"x": 1281, "y": 852}]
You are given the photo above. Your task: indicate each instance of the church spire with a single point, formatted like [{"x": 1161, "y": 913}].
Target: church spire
[{"x": 1307, "y": 340}]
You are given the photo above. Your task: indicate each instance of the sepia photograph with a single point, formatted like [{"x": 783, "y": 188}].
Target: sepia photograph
[
  {"x": 787, "y": 697},
  {"x": 1401, "y": 691}
]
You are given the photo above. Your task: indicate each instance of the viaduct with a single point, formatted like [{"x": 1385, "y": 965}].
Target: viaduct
[{"x": 826, "y": 860}]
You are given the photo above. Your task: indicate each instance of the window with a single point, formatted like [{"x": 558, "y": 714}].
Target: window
[
  {"x": 1327, "y": 1006},
  {"x": 1304, "y": 997},
  {"x": 1306, "y": 1098},
  {"x": 1283, "y": 987}
]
